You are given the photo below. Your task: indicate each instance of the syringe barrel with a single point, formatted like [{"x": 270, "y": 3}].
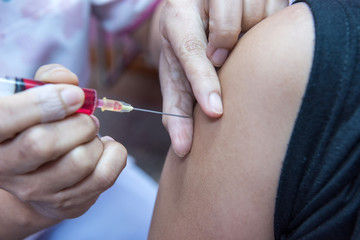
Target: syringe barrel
[
  {"x": 12, "y": 85},
  {"x": 90, "y": 102}
]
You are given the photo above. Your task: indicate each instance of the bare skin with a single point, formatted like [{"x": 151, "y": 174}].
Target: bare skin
[{"x": 225, "y": 188}]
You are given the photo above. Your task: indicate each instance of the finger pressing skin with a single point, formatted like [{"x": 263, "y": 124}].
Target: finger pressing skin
[
  {"x": 178, "y": 99},
  {"x": 45, "y": 142},
  {"x": 181, "y": 134},
  {"x": 224, "y": 29},
  {"x": 189, "y": 46}
]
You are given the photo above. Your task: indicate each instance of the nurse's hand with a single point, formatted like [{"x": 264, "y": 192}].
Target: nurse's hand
[
  {"x": 52, "y": 164},
  {"x": 197, "y": 35}
]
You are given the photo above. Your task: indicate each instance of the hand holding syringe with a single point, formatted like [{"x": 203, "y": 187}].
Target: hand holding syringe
[{"x": 11, "y": 85}]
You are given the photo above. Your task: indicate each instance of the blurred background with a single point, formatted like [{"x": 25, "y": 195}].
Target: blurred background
[{"x": 120, "y": 72}]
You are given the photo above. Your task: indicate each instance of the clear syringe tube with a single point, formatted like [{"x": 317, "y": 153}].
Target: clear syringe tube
[{"x": 12, "y": 85}]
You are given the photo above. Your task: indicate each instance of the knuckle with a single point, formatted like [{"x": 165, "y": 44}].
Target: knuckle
[
  {"x": 200, "y": 87},
  {"x": 84, "y": 158},
  {"x": 168, "y": 7},
  {"x": 199, "y": 76},
  {"x": 172, "y": 9},
  {"x": 27, "y": 194},
  {"x": 63, "y": 204},
  {"x": 58, "y": 202},
  {"x": 171, "y": 6},
  {"x": 224, "y": 29},
  {"x": 81, "y": 161},
  {"x": 118, "y": 150},
  {"x": 225, "y": 36},
  {"x": 192, "y": 47},
  {"x": 231, "y": 33},
  {"x": 107, "y": 174},
  {"x": 34, "y": 146}
]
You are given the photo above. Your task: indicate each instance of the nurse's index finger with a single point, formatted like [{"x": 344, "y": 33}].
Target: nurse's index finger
[{"x": 188, "y": 41}]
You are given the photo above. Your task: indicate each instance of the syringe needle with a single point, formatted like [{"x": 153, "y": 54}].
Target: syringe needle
[
  {"x": 162, "y": 113},
  {"x": 11, "y": 85},
  {"x": 119, "y": 106}
]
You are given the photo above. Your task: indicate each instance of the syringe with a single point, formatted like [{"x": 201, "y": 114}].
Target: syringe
[{"x": 12, "y": 85}]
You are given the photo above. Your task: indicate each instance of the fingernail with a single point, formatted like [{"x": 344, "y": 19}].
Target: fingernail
[
  {"x": 215, "y": 103},
  {"x": 219, "y": 56},
  {"x": 72, "y": 96}
]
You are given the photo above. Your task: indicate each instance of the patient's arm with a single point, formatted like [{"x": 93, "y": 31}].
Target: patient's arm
[{"x": 226, "y": 187}]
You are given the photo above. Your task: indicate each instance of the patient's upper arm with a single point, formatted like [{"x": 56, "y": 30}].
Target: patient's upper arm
[{"x": 226, "y": 187}]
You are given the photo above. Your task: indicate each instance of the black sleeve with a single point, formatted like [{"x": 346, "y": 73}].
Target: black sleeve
[{"x": 319, "y": 190}]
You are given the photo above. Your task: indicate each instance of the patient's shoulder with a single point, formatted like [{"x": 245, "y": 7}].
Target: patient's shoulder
[
  {"x": 281, "y": 44},
  {"x": 226, "y": 187}
]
